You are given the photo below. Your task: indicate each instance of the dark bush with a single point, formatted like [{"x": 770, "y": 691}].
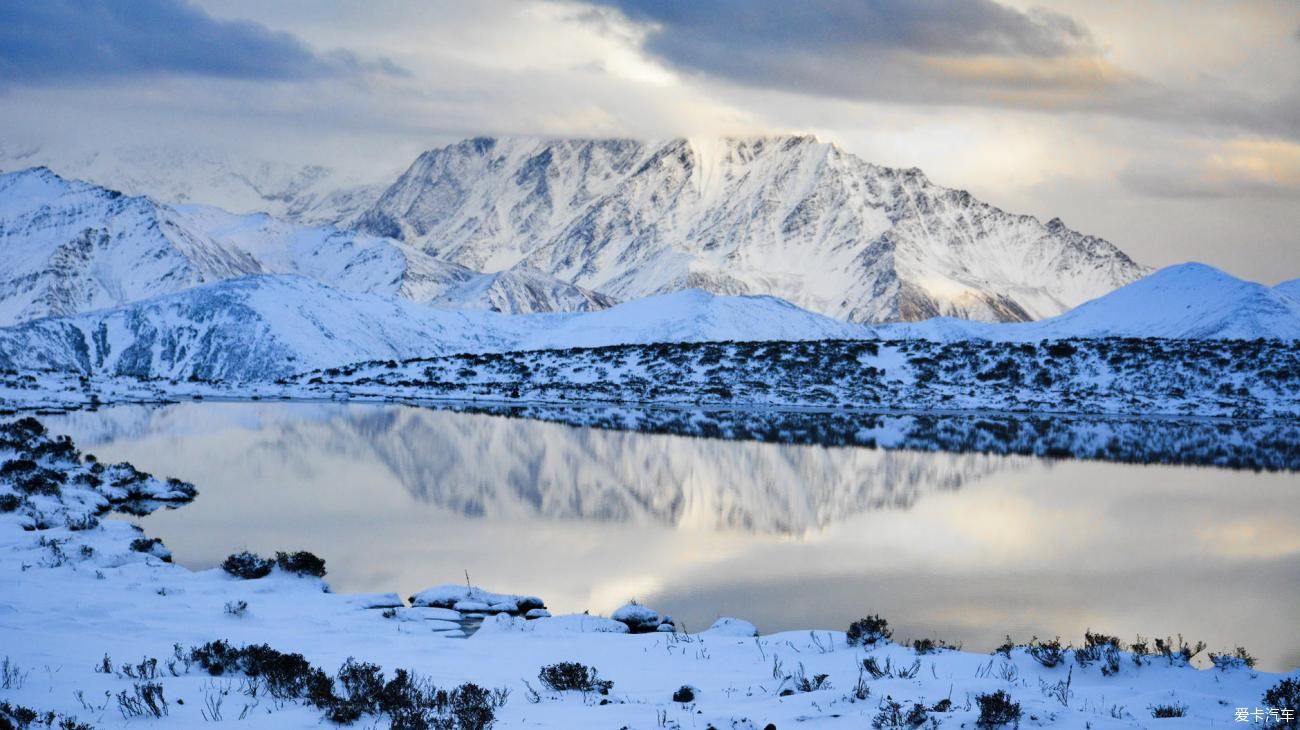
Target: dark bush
[
  {"x": 1047, "y": 653},
  {"x": 1061, "y": 349},
  {"x": 301, "y": 563},
  {"x": 567, "y": 676},
  {"x": 1236, "y": 660},
  {"x": 10, "y": 502},
  {"x": 247, "y": 566},
  {"x": 1285, "y": 695},
  {"x": 17, "y": 467},
  {"x": 145, "y": 544},
  {"x": 684, "y": 694},
  {"x": 1164, "y": 712},
  {"x": 358, "y": 689},
  {"x": 1178, "y": 653},
  {"x": 997, "y": 710},
  {"x": 868, "y": 631},
  {"x": 1099, "y": 648},
  {"x": 17, "y": 717}
]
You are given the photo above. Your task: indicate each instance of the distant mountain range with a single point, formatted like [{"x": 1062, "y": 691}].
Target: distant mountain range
[
  {"x": 308, "y": 194},
  {"x": 1184, "y": 301},
  {"x": 73, "y": 247},
  {"x": 270, "y": 326},
  {"x": 99, "y": 282},
  {"x": 787, "y": 216}
]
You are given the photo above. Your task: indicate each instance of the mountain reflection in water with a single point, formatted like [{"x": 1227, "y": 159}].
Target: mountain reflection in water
[{"x": 967, "y": 544}]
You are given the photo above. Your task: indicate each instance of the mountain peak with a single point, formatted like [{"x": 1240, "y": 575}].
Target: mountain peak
[{"x": 787, "y": 215}]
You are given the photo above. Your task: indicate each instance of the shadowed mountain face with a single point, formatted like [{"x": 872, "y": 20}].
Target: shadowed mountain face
[{"x": 786, "y": 216}]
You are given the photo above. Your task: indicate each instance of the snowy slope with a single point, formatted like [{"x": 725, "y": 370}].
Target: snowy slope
[
  {"x": 74, "y": 247},
  {"x": 304, "y": 193},
  {"x": 362, "y": 263},
  {"x": 1190, "y": 300},
  {"x": 250, "y": 328},
  {"x": 786, "y": 216},
  {"x": 692, "y": 315},
  {"x": 269, "y": 326},
  {"x": 70, "y": 247}
]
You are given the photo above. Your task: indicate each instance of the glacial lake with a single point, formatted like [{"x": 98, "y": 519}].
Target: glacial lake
[{"x": 951, "y": 544}]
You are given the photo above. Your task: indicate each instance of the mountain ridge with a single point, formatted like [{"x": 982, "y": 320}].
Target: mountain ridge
[
  {"x": 787, "y": 215},
  {"x": 74, "y": 247}
]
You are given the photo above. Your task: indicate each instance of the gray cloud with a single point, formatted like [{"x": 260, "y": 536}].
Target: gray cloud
[
  {"x": 898, "y": 49},
  {"x": 693, "y": 29},
  {"x": 61, "y": 41}
]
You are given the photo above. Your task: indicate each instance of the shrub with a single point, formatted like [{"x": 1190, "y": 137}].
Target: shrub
[
  {"x": 930, "y": 646},
  {"x": 410, "y": 702},
  {"x": 146, "y": 699},
  {"x": 1236, "y": 660},
  {"x": 1099, "y": 648},
  {"x": 1178, "y": 653},
  {"x": 868, "y": 631},
  {"x": 247, "y": 566},
  {"x": 1285, "y": 695},
  {"x": 1163, "y": 712},
  {"x": 1047, "y": 653},
  {"x": 236, "y": 608},
  {"x": 996, "y": 710},
  {"x": 684, "y": 694},
  {"x": 301, "y": 563},
  {"x": 567, "y": 676},
  {"x": 10, "y": 502},
  {"x": 18, "y": 717}
]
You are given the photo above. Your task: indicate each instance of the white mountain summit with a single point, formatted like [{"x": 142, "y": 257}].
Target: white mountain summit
[
  {"x": 73, "y": 247},
  {"x": 787, "y": 216}
]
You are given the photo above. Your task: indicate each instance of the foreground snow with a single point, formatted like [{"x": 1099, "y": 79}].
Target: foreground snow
[{"x": 70, "y": 599}]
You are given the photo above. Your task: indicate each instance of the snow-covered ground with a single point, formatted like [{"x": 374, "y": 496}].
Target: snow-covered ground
[{"x": 76, "y": 599}]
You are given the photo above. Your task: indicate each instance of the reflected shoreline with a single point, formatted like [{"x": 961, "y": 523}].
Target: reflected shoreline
[{"x": 1227, "y": 443}]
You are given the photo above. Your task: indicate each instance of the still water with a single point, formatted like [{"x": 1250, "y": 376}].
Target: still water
[{"x": 965, "y": 547}]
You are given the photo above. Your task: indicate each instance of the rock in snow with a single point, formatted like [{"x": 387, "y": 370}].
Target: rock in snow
[
  {"x": 638, "y": 618},
  {"x": 451, "y": 595},
  {"x": 726, "y": 626}
]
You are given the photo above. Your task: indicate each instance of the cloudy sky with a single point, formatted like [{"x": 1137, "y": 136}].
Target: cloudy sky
[{"x": 1170, "y": 127}]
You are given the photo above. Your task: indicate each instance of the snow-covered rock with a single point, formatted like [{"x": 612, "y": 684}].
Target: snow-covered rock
[
  {"x": 727, "y": 626},
  {"x": 787, "y": 216},
  {"x": 638, "y": 618},
  {"x": 459, "y": 597}
]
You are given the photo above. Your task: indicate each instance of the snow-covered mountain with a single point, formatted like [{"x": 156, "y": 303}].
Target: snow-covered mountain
[
  {"x": 692, "y": 315},
  {"x": 1190, "y": 300},
  {"x": 269, "y": 326},
  {"x": 310, "y": 194},
  {"x": 71, "y": 247},
  {"x": 74, "y": 247},
  {"x": 362, "y": 263},
  {"x": 787, "y": 216},
  {"x": 250, "y": 328}
]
